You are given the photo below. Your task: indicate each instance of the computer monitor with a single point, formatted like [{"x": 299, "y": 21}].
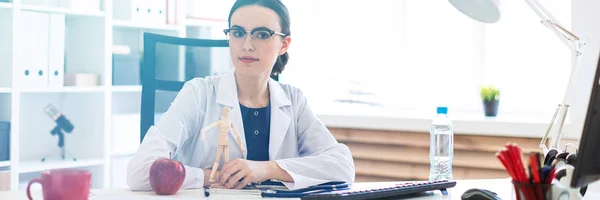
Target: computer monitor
[{"x": 587, "y": 167}]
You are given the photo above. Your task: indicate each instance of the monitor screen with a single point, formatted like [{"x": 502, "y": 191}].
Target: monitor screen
[{"x": 587, "y": 167}]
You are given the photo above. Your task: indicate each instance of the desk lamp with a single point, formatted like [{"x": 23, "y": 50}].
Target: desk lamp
[{"x": 488, "y": 11}]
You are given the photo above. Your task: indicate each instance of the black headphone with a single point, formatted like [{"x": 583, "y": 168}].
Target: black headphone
[{"x": 553, "y": 157}]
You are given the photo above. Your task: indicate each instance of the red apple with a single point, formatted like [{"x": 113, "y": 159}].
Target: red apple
[{"x": 166, "y": 176}]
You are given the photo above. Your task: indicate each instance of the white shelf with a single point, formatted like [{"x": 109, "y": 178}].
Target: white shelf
[
  {"x": 131, "y": 24},
  {"x": 4, "y": 163},
  {"x": 37, "y": 165},
  {"x": 123, "y": 154},
  {"x": 5, "y": 5},
  {"x": 5, "y": 90},
  {"x": 206, "y": 22},
  {"x": 66, "y": 89},
  {"x": 132, "y": 88},
  {"x": 65, "y": 11}
]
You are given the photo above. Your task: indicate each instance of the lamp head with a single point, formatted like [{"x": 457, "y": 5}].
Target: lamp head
[{"x": 485, "y": 11}]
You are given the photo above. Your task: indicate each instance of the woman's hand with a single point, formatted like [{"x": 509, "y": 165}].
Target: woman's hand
[
  {"x": 207, "y": 177},
  {"x": 239, "y": 172}
]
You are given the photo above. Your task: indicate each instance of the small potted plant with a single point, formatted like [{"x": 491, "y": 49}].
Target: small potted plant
[{"x": 491, "y": 97}]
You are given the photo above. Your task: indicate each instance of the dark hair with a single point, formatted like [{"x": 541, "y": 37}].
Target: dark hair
[{"x": 284, "y": 21}]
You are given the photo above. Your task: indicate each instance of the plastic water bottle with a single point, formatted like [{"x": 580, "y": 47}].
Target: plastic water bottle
[{"x": 441, "y": 147}]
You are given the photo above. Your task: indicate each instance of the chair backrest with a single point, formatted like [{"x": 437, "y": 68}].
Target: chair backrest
[{"x": 151, "y": 83}]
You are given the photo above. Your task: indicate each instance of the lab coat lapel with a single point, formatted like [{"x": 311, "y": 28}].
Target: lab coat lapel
[
  {"x": 280, "y": 117},
  {"x": 227, "y": 96}
]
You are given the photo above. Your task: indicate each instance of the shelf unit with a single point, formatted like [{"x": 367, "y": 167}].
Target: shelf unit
[
  {"x": 105, "y": 116},
  {"x": 65, "y": 11},
  {"x": 5, "y": 164}
]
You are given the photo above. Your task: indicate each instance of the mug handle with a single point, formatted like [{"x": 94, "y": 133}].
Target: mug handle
[{"x": 37, "y": 180}]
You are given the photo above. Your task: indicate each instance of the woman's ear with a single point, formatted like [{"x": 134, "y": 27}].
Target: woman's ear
[{"x": 285, "y": 45}]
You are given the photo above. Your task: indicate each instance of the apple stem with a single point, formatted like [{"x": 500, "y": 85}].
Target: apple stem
[{"x": 169, "y": 155}]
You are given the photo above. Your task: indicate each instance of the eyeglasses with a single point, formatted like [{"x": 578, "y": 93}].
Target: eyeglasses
[{"x": 260, "y": 35}]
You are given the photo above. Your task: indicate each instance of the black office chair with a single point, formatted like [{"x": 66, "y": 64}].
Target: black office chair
[{"x": 151, "y": 83}]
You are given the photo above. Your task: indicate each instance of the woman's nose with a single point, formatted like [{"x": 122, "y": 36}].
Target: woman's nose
[{"x": 248, "y": 43}]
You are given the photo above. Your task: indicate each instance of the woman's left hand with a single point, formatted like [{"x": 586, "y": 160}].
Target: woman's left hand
[{"x": 239, "y": 172}]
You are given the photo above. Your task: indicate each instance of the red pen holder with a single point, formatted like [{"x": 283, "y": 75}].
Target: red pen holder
[{"x": 531, "y": 191}]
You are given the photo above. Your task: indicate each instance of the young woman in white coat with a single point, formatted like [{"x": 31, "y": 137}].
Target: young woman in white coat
[{"x": 284, "y": 139}]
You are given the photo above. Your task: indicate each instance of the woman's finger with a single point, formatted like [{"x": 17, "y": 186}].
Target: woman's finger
[
  {"x": 229, "y": 164},
  {"x": 237, "y": 178},
  {"x": 228, "y": 173},
  {"x": 247, "y": 179}
]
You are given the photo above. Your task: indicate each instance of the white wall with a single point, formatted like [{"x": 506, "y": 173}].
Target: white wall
[{"x": 585, "y": 18}]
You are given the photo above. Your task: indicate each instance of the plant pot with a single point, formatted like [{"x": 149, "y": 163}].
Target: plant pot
[{"x": 491, "y": 108}]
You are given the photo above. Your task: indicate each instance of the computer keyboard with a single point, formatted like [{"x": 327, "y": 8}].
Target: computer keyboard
[{"x": 395, "y": 190}]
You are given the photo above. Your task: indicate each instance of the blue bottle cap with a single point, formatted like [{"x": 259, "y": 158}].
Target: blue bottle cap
[{"x": 442, "y": 110}]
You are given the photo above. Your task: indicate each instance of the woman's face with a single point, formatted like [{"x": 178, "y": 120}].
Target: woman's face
[{"x": 255, "y": 55}]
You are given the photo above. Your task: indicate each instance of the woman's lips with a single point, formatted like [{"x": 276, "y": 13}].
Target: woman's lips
[{"x": 248, "y": 59}]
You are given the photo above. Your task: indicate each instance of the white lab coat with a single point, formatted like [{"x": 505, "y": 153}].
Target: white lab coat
[{"x": 299, "y": 143}]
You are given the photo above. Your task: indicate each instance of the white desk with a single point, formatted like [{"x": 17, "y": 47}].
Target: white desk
[{"x": 500, "y": 186}]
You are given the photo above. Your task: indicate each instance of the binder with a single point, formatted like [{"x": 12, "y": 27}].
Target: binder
[
  {"x": 158, "y": 11},
  {"x": 171, "y": 11},
  {"x": 139, "y": 11},
  {"x": 56, "y": 50},
  {"x": 33, "y": 53}
]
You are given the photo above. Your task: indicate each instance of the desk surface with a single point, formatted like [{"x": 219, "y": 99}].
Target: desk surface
[{"x": 500, "y": 186}]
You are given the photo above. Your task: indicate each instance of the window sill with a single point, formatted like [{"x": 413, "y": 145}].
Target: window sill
[{"x": 365, "y": 117}]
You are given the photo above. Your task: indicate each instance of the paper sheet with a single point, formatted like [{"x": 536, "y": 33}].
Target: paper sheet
[{"x": 130, "y": 197}]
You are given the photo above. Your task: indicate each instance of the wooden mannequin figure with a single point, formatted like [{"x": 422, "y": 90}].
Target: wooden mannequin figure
[{"x": 224, "y": 124}]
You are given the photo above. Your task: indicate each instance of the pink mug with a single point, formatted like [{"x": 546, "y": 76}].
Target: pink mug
[{"x": 64, "y": 184}]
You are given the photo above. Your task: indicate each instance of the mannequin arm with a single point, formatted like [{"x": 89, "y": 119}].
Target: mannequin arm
[
  {"x": 206, "y": 129},
  {"x": 239, "y": 139}
]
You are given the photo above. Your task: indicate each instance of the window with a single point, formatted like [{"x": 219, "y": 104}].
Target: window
[{"x": 416, "y": 55}]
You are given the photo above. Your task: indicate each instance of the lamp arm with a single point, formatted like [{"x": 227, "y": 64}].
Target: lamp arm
[
  {"x": 566, "y": 36},
  {"x": 576, "y": 46}
]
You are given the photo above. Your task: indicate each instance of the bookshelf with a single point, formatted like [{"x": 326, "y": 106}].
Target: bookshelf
[{"x": 105, "y": 116}]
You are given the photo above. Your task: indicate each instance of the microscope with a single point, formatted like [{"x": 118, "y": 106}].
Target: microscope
[{"x": 62, "y": 124}]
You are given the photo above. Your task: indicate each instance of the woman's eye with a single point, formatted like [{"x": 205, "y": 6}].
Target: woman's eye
[
  {"x": 238, "y": 34},
  {"x": 262, "y": 35}
]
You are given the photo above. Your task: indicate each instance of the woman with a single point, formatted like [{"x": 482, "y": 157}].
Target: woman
[{"x": 284, "y": 139}]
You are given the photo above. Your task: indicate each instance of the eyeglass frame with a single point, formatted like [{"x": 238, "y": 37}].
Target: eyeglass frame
[{"x": 251, "y": 32}]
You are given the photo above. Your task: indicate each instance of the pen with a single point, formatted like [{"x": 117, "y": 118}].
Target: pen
[{"x": 209, "y": 191}]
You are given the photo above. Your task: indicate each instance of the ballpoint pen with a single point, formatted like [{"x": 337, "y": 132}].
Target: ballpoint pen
[{"x": 208, "y": 191}]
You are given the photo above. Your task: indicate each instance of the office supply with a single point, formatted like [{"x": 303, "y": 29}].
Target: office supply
[
  {"x": 224, "y": 126},
  {"x": 4, "y": 141},
  {"x": 487, "y": 11},
  {"x": 479, "y": 194},
  {"x": 172, "y": 11},
  {"x": 157, "y": 11},
  {"x": 389, "y": 191},
  {"x": 140, "y": 11},
  {"x": 126, "y": 69},
  {"x": 62, "y": 124},
  {"x": 534, "y": 179},
  {"x": 32, "y": 73},
  {"x": 219, "y": 191},
  {"x": 82, "y": 79},
  {"x": 56, "y": 51}
]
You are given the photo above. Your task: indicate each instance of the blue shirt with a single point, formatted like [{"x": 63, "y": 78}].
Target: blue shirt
[{"x": 257, "y": 123}]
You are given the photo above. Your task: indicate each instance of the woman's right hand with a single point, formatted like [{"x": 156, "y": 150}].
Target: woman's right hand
[{"x": 207, "y": 177}]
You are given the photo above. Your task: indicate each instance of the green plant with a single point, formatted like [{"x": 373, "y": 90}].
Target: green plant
[{"x": 490, "y": 93}]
